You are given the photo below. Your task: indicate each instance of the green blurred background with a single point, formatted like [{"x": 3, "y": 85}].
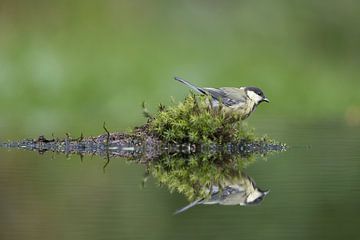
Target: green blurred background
[{"x": 68, "y": 66}]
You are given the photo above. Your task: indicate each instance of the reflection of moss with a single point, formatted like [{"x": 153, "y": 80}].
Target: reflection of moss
[
  {"x": 194, "y": 175},
  {"x": 195, "y": 121}
]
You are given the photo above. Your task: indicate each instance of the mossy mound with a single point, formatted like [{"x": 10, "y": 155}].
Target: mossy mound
[{"x": 196, "y": 121}]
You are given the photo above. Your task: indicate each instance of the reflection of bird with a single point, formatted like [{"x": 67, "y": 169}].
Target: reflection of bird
[
  {"x": 241, "y": 101},
  {"x": 238, "y": 191}
]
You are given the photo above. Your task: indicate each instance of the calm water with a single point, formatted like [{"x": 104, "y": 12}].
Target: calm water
[{"x": 314, "y": 194}]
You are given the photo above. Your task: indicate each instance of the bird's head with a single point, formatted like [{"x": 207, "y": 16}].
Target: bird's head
[
  {"x": 255, "y": 197},
  {"x": 256, "y": 95}
]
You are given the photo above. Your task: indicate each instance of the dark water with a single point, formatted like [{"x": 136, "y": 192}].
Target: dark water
[{"x": 314, "y": 194}]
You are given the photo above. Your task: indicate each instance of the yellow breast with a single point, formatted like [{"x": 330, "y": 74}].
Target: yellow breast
[{"x": 243, "y": 110}]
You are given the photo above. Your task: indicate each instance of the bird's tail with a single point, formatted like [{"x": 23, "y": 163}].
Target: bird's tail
[
  {"x": 190, "y": 85},
  {"x": 187, "y": 206}
]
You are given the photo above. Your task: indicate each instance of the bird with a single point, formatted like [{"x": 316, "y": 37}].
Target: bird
[
  {"x": 240, "y": 190},
  {"x": 240, "y": 101}
]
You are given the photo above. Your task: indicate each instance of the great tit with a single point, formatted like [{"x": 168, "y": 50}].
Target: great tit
[
  {"x": 239, "y": 101},
  {"x": 241, "y": 190}
]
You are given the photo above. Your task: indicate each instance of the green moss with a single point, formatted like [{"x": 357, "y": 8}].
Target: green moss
[{"x": 195, "y": 121}]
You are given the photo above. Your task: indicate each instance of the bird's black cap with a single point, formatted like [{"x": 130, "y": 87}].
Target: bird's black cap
[{"x": 256, "y": 90}]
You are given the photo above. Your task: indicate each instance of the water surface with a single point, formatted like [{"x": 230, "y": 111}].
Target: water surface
[{"x": 314, "y": 194}]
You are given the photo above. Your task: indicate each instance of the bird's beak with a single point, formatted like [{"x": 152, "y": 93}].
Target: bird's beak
[
  {"x": 266, "y": 192},
  {"x": 266, "y": 100}
]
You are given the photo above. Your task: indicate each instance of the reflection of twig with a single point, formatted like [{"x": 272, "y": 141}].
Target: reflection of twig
[
  {"x": 108, "y": 134},
  {"x": 42, "y": 151},
  {"x": 81, "y": 157},
  {"x": 145, "y": 178},
  {"x": 107, "y": 160}
]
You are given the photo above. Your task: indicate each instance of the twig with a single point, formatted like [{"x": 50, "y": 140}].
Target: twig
[{"x": 108, "y": 134}]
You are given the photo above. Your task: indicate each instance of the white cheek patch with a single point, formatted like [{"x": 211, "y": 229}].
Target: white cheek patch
[
  {"x": 253, "y": 196},
  {"x": 253, "y": 96}
]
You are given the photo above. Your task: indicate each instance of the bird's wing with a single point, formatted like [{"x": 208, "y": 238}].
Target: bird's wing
[{"x": 227, "y": 95}]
